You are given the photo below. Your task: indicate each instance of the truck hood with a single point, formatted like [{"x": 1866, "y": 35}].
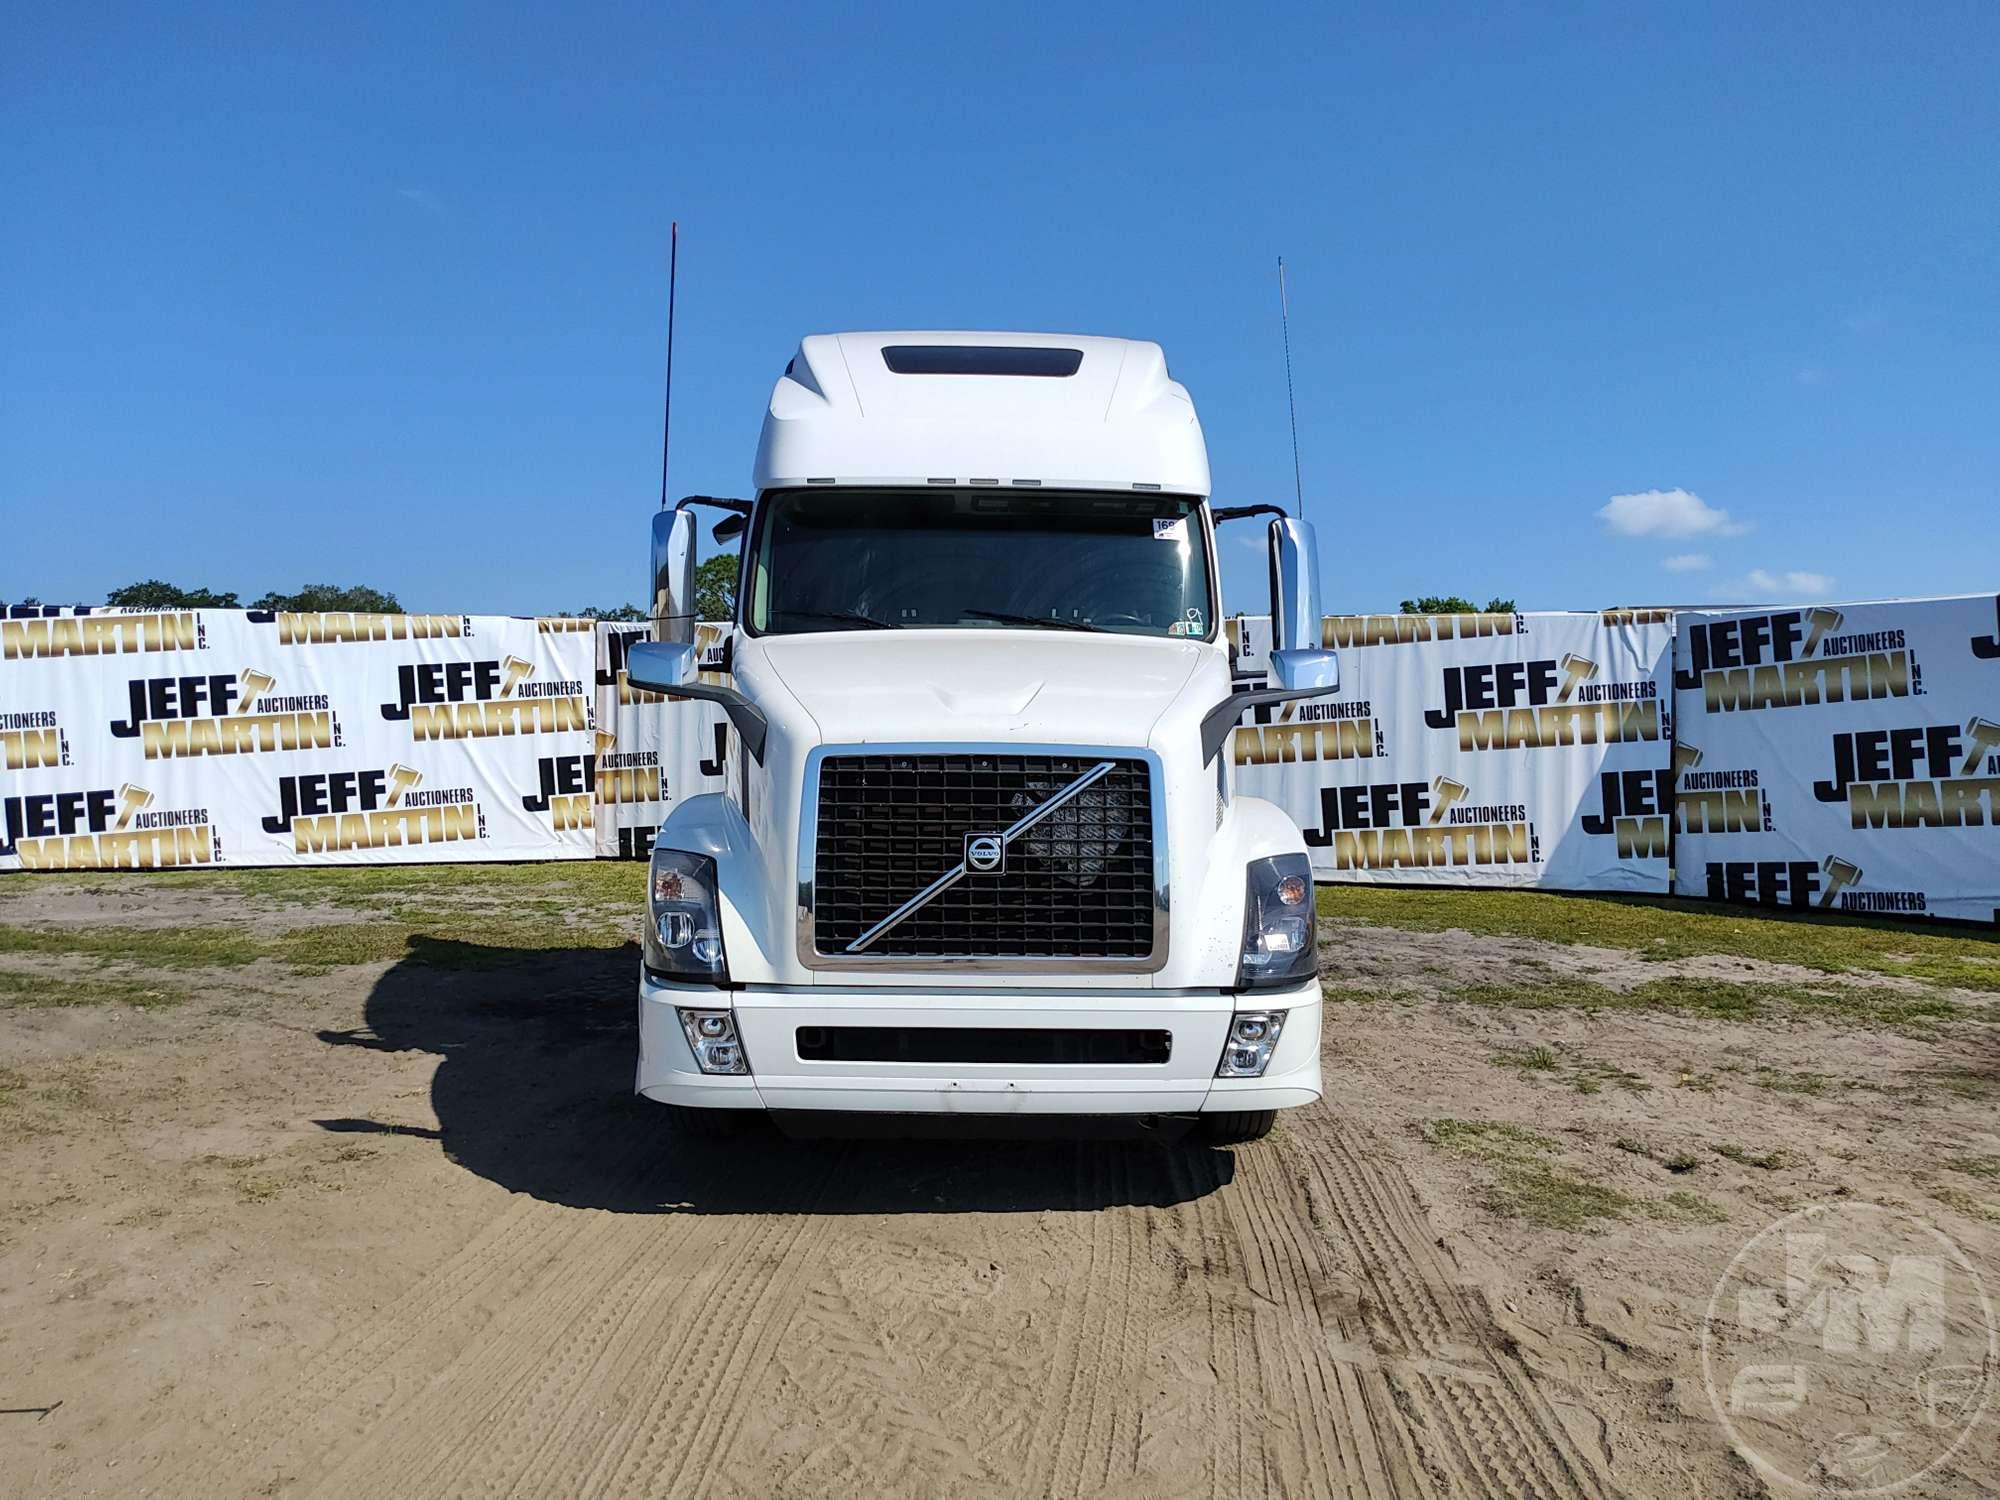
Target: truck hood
[{"x": 1046, "y": 686}]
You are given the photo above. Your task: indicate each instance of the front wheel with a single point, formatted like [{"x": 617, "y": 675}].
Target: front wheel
[{"x": 1236, "y": 1127}]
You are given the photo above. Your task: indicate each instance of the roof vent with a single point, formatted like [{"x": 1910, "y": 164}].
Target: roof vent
[{"x": 979, "y": 359}]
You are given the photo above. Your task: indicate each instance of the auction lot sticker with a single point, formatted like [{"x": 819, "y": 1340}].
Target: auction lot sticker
[{"x": 1849, "y": 1349}]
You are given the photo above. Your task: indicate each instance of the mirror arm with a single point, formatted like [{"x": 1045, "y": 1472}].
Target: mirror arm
[
  {"x": 1219, "y": 720},
  {"x": 748, "y": 718},
  {"x": 1221, "y": 513},
  {"x": 720, "y": 502}
]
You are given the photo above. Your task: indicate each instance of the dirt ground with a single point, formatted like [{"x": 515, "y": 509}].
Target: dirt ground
[{"x": 288, "y": 1214}]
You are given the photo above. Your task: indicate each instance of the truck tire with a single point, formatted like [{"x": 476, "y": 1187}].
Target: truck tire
[
  {"x": 1234, "y": 1129},
  {"x": 706, "y": 1124}
]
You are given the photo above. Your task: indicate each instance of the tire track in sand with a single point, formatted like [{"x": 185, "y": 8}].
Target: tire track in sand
[
  {"x": 1498, "y": 1433},
  {"x": 516, "y": 1343},
  {"x": 386, "y": 1355}
]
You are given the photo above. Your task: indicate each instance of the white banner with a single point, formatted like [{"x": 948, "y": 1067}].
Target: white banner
[
  {"x": 1489, "y": 750},
  {"x": 1844, "y": 757},
  {"x": 160, "y": 738},
  {"x": 652, "y": 751}
]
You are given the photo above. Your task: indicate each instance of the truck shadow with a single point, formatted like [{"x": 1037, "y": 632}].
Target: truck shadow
[{"x": 533, "y": 1091}]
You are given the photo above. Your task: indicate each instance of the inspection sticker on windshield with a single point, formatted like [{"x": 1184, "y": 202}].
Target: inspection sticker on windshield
[{"x": 1170, "y": 528}]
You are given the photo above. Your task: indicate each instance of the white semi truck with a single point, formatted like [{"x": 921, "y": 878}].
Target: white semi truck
[{"x": 981, "y": 852}]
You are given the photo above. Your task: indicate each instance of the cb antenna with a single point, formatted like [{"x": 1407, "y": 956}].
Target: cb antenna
[
  {"x": 667, "y": 418},
  {"x": 1285, "y": 322}
]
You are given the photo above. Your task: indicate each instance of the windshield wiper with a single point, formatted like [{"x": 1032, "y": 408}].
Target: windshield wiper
[
  {"x": 1039, "y": 622},
  {"x": 848, "y": 616}
]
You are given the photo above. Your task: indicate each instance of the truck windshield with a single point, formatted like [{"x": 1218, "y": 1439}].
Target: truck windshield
[{"x": 979, "y": 559}]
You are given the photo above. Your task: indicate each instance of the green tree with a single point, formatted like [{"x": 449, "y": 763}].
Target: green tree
[
  {"x": 331, "y": 596},
  {"x": 715, "y": 587},
  {"x": 1455, "y": 604},
  {"x": 157, "y": 593},
  {"x": 616, "y": 612}
]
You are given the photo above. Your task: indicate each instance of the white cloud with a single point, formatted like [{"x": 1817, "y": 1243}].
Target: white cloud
[
  {"x": 1688, "y": 562},
  {"x": 1667, "y": 513},
  {"x": 1811, "y": 375},
  {"x": 422, "y": 198},
  {"x": 1792, "y": 585}
]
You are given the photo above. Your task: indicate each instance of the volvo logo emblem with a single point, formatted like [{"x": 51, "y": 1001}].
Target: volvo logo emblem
[{"x": 985, "y": 853}]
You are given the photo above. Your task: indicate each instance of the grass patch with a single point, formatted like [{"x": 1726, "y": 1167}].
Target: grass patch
[
  {"x": 1665, "y": 928},
  {"x": 20, "y": 990},
  {"x": 1677, "y": 1162},
  {"x": 1743, "y": 1156},
  {"x": 1777, "y": 1081},
  {"x": 1720, "y": 1000},
  {"x": 1985, "y": 1168},
  {"x": 1965, "y": 1203},
  {"x": 1529, "y": 1184},
  {"x": 1590, "y": 1075},
  {"x": 1489, "y": 1140},
  {"x": 1527, "y": 1059},
  {"x": 1683, "y": 1207},
  {"x": 449, "y": 916},
  {"x": 174, "y": 947},
  {"x": 1968, "y": 1085},
  {"x": 458, "y": 940},
  {"x": 1586, "y": 1075},
  {"x": 1354, "y": 994},
  {"x": 566, "y": 883},
  {"x": 462, "y": 942}
]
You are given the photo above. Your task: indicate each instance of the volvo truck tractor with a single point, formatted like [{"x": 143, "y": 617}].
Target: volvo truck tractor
[{"x": 981, "y": 856}]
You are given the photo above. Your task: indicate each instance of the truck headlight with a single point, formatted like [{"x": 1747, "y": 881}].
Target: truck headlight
[
  {"x": 1279, "y": 946},
  {"x": 683, "y": 937}
]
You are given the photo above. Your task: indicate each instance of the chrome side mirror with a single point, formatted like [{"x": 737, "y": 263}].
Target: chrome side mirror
[
  {"x": 1297, "y": 658},
  {"x": 662, "y": 666},
  {"x": 670, "y": 591}
]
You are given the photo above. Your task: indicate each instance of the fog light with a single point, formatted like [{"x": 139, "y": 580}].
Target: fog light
[
  {"x": 1253, "y": 1037},
  {"x": 711, "y": 1036}
]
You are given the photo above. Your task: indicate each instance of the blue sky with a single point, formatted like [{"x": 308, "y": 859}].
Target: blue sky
[{"x": 379, "y": 297}]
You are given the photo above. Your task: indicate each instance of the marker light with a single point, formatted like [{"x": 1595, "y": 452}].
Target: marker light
[
  {"x": 1279, "y": 947},
  {"x": 683, "y": 935},
  {"x": 712, "y": 1036},
  {"x": 1253, "y": 1037}
]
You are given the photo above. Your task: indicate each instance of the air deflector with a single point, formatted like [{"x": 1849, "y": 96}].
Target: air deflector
[{"x": 979, "y": 359}]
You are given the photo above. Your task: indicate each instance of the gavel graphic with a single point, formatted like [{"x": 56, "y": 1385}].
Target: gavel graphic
[
  {"x": 1448, "y": 792},
  {"x": 402, "y": 779},
  {"x": 131, "y": 801},
  {"x": 1985, "y": 737},
  {"x": 1579, "y": 668},
  {"x": 1840, "y": 874},
  {"x": 1818, "y": 622},
  {"x": 255, "y": 685}
]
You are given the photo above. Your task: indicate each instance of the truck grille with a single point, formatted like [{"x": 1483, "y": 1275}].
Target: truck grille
[{"x": 1078, "y": 884}]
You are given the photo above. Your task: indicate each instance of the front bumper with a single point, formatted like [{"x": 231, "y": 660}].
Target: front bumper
[{"x": 768, "y": 1021}]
